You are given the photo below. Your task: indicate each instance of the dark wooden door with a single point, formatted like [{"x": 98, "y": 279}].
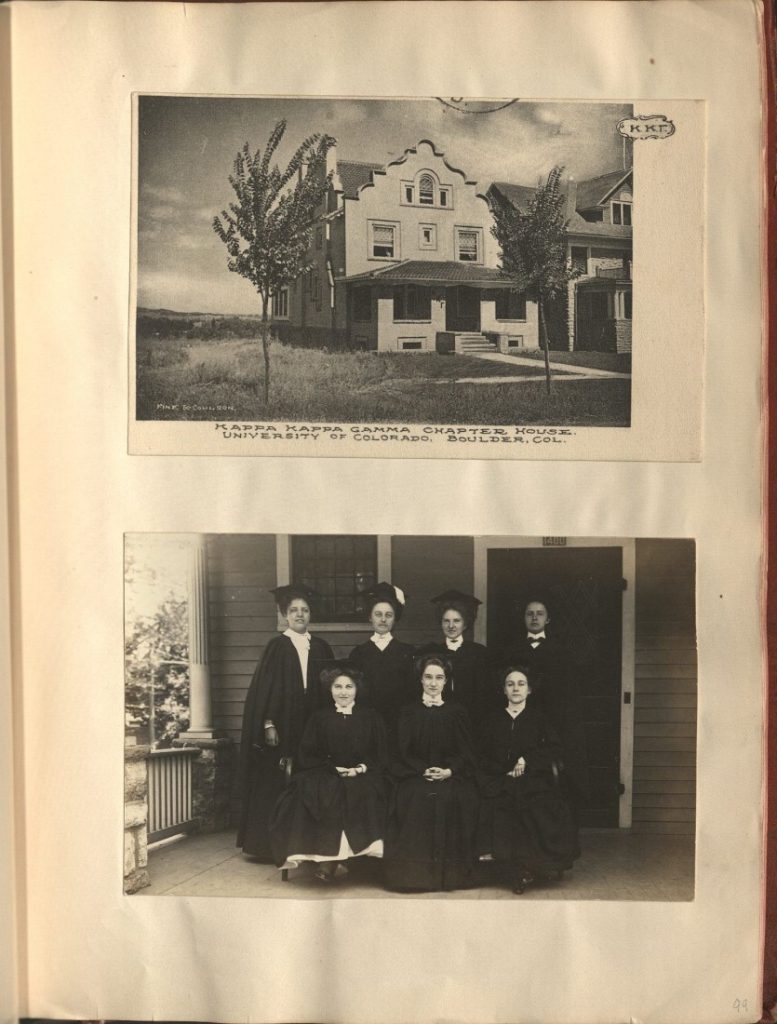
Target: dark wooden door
[
  {"x": 583, "y": 588},
  {"x": 462, "y": 309}
]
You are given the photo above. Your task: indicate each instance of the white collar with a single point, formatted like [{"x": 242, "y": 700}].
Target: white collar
[
  {"x": 454, "y": 645},
  {"x": 432, "y": 702},
  {"x": 298, "y": 639},
  {"x": 346, "y": 710},
  {"x": 514, "y": 712},
  {"x": 381, "y": 641},
  {"x": 531, "y": 637}
]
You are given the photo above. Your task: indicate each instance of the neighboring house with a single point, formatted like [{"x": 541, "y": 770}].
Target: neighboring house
[
  {"x": 404, "y": 259},
  {"x": 596, "y": 315}
]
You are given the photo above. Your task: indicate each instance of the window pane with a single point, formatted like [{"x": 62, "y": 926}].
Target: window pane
[
  {"x": 626, "y": 213},
  {"x": 510, "y": 305},
  {"x": 382, "y": 240},
  {"x": 468, "y": 245},
  {"x": 399, "y": 303},
  {"x": 616, "y": 213},
  {"x": 426, "y": 190},
  {"x": 336, "y": 568}
]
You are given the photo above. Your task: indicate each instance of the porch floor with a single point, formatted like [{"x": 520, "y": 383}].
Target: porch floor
[{"x": 615, "y": 865}]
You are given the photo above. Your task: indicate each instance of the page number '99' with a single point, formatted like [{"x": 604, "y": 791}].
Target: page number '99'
[{"x": 740, "y": 1005}]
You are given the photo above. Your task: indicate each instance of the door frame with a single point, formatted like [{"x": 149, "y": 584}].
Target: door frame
[{"x": 628, "y": 634}]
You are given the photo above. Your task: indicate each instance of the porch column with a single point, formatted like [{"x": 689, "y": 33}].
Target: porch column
[{"x": 200, "y": 718}]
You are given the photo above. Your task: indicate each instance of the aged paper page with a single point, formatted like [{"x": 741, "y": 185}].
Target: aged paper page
[{"x": 94, "y": 952}]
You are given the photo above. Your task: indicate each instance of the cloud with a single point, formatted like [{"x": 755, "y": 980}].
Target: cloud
[{"x": 163, "y": 194}]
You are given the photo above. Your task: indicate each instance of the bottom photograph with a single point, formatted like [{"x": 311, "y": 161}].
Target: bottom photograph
[{"x": 442, "y": 717}]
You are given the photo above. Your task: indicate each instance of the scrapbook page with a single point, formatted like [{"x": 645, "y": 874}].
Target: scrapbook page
[{"x": 387, "y": 511}]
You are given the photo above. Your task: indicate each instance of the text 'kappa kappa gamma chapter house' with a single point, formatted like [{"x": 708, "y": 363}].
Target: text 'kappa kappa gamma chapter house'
[{"x": 403, "y": 259}]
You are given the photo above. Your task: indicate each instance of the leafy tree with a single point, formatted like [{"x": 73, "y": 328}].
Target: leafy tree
[
  {"x": 534, "y": 252},
  {"x": 267, "y": 228}
]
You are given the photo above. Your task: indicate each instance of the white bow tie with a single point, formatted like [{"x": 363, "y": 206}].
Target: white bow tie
[
  {"x": 433, "y": 702},
  {"x": 454, "y": 645},
  {"x": 346, "y": 710}
]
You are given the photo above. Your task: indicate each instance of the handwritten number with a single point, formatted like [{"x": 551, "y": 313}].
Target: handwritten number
[{"x": 740, "y": 1005}]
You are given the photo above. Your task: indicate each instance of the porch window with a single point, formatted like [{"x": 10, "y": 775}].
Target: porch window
[
  {"x": 362, "y": 304},
  {"x": 621, "y": 213},
  {"x": 280, "y": 304},
  {"x": 384, "y": 241},
  {"x": 337, "y": 568},
  {"x": 468, "y": 245},
  {"x": 412, "y": 302},
  {"x": 510, "y": 305}
]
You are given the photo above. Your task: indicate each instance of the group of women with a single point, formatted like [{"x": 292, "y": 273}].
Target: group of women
[{"x": 433, "y": 759}]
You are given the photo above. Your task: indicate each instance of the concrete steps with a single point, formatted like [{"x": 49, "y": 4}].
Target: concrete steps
[{"x": 466, "y": 343}]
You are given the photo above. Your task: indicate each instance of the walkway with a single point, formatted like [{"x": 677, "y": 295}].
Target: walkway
[
  {"x": 615, "y": 865},
  {"x": 563, "y": 370}
]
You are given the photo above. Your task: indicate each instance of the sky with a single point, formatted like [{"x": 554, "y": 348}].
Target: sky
[{"x": 187, "y": 145}]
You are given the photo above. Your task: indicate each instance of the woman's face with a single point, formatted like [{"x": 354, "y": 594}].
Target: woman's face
[
  {"x": 343, "y": 691},
  {"x": 433, "y": 680},
  {"x": 453, "y": 625},
  {"x": 536, "y": 616},
  {"x": 298, "y": 615},
  {"x": 382, "y": 618},
  {"x": 516, "y": 689}
]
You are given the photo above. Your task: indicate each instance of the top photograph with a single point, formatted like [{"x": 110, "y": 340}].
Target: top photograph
[{"x": 413, "y": 277}]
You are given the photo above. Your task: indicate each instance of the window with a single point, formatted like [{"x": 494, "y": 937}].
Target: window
[
  {"x": 319, "y": 237},
  {"x": 468, "y": 245},
  {"x": 445, "y": 196},
  {"x": 627, "y": 305},
  {"x": 510, "y": 305},
  {"x": 280, "y": 304},
  {"x": 580, "y": 258},
  {"x": 408, "y": 192},
  {"x": 621, "y": 213},
  {"x": 384, "y": 242},
  {"x": 336, "y": 568},
  {"x": 412, "y": 302},
  {"x": 427, "y": 236},
  {"x": 411, "y": 344},
  {"x": 362, "y": 304},
  {"x": 426, "y": 190}
]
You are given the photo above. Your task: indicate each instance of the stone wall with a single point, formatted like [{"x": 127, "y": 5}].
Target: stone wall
[
  {"x": 213, "y": 776},
  {"x": 135, "y": 815},
  {"x": 623, "y": 335}
]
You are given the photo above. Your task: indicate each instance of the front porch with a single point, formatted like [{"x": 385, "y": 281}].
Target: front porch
[{"x": 616, "y": 864}]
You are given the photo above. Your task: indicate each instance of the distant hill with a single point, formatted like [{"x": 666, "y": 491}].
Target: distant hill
[{"x": 176, "y": 314}]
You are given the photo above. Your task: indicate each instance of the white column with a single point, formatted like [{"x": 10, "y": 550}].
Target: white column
[{"x": 200, "y": 719}]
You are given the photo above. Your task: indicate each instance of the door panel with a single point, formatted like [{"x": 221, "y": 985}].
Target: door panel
[
  {"x": 462, "y": 309},
  {"x": 583, "y": 588}
]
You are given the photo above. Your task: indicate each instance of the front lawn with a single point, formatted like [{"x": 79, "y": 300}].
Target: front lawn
[
  {"x": 618, "y": 362},
  {"x": 221, "y": 379}
]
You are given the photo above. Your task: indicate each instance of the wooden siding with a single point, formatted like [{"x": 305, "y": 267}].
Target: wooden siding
[
  {"x": 665, "y": 688},
  {"x": 425, "y": 566}
]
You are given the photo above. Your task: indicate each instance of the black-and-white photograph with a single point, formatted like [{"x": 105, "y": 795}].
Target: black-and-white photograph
[
  {"x": 417, "y": 261},
  {"x": 350, "y": 716}
]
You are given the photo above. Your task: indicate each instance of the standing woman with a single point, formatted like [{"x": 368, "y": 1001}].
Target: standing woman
[
  {"x": 385, "y": 662},
  {"x": 524, "y": 820},
  {"x": 556, "y": 693},
  {"x": 431, "y": 835},
  {"x": 470, "y": 684},
  {"x": 283, "y": 693},
  {"x": 335, "y": 805}
]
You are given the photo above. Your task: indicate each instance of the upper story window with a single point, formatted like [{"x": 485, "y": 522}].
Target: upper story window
[
  {"x": 426, "y": 190},
  {"x": 621, "y": 213},
  {"x": 427, "y": 236},
  {"x": 579, "y": 257},
  {"x": 384, "y": 241},
  {"x": 280, "y": 304},
  {"x": 469, "y": 245}
]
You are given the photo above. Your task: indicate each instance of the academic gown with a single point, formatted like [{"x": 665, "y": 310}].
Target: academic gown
[
  {"x": 277, "y": 694},
  {"x": 431, "y": 835},
  {"x": 388, "y": 680},
  {"x": 557, "y": 695},
  {"x": 472, "y": 684},
  {"x": 318, "y": 805},
  {"x": 524, "y": 821}
]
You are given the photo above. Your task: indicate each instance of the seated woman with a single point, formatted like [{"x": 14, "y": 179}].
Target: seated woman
[
  {"x": 334, "y": 808},
  {"x": 430, "y": 842},
  {"x": 471, "y": 683},
  {"x": 283, "y": 693},
  {"x": 524, "y": 821}
]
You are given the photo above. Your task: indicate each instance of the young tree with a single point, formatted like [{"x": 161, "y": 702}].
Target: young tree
[
  {"x": 267, "y": 228},
  {"x": 533, "y": 250}
]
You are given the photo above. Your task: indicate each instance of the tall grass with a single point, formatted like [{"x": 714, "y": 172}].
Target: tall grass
[{"x": 185, "y": 379}]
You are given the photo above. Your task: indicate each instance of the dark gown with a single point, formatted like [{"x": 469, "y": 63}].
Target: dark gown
[
  {"x": 472, "y": 684},
  {"x": 557, "y": 695},
  {"x": 524, "y": 821},
  {"x": 276, "y": 694},
  {"x": 318, "y": 805},
  {"x": 431, "y": 835},
  {"x": 388, "y": 680}
]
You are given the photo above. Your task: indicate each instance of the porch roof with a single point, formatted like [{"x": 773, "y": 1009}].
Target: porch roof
[{"x": 448, "y": 272}]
